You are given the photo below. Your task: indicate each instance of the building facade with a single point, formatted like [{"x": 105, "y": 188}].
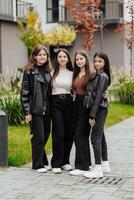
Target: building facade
[
  {"x": 13, "y": 53},
  {"x": 107, "y": 40}
]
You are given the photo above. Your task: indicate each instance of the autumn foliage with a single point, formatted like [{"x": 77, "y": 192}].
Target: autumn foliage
[
  {"x": 60, "y": 35},
  {"x": 31, "y": 33},
  {"x": 84, "y": 14}
]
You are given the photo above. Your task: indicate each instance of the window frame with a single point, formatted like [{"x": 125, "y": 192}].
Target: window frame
[{"x": 52, "y": 9}]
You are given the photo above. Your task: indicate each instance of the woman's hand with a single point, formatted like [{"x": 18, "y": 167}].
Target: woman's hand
[
  {"x": 28, "y": 118},
  {"x": 92, "y": 122},
  {"x": 106, "y": 94}
]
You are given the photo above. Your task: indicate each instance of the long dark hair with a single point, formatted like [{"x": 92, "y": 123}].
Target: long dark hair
[
  {"x": 56, "y": 64},
  {"x": 32, "y": 63},
  {"x": 107, "y": 63},
  {"x": 77, "y": 69}
]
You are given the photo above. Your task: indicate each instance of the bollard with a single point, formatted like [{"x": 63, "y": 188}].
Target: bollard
[{"x": 3, "y": 139}]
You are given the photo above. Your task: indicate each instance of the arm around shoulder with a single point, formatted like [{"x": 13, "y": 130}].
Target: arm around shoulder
[{"x": 101, "y": 87}]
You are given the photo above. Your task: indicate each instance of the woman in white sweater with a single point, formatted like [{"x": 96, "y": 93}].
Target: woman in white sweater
[{"x": 62, "y": 112}]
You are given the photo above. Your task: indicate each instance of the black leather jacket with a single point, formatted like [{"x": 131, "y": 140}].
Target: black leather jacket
[
  {"x": 35, "y": 92},
  {"x": 95, "y": 89}
]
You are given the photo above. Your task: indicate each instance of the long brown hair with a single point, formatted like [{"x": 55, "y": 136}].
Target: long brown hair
[
  {"x": 32, "y": 63},
  {"x": 107, "y": 63},
  {"x": 77, "y": 69},
  {"x": 56, "y": 64}
]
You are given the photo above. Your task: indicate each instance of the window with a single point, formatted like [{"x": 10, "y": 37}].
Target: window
[
  {"x": 102, "y": 7},
  {"x": 52, "y": 10},
  {"x": 121, "y": 13}
]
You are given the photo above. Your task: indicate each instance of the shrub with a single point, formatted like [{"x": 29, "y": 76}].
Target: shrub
[
  {"x": 31, "y": 32},
  {"x": 123, "y": 90},
  {"x": 10, "y": 102}
]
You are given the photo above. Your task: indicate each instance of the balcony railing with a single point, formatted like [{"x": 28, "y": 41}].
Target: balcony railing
[
  {"x": 114, "y": 10},
  {"x": 113, "y": 13},
  {"x": 22, "y": 8},
  {"x": 6, "y": 9},
  {"x": 13, "y": 9}
]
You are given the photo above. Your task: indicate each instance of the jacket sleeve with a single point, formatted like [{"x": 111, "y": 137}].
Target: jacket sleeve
[
  {"x": 102, "y": 85},
  {"x": 25, "y": 93}
]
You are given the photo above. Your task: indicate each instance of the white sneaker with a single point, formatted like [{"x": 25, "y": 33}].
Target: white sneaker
[
  {"x": 95, "y": 173},
  {"x": 47, "y": 167},
  {"x": 91, "y": 168},
  {"x": 77, "y": 172},
  {"x": 106, "y": 167},
  {"x": 41, "y": 170},
  {"x": 56, "y": 170},
  {"x": 67, "y": 167}
]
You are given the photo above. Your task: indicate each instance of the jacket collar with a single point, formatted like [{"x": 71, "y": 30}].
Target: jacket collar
[{"x": 39, "y": 78}]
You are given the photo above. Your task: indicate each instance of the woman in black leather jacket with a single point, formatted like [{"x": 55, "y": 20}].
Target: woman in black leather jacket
[
  {"x": 98, "y": 110},
  {"x": 35, "y": 94}
]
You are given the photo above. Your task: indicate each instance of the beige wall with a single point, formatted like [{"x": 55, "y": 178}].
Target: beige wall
[
  {"x": 13, "y": 52},
  {"x": 111, "y": 45}
]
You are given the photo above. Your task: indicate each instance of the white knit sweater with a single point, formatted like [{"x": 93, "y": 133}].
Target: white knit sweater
[{"x": 63, "y": 82}]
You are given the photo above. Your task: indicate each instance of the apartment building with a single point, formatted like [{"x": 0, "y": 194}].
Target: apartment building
[{"x": 13, "y": 53}]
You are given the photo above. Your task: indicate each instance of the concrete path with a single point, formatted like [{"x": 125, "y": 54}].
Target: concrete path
[{"x": 26, "y": 184}]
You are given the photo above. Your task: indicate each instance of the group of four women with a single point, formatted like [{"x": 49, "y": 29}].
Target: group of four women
[{"x": 73, "y": 97}]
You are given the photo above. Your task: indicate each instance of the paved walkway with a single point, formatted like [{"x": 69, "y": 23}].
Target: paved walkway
[{"x": 25, "y": 184}]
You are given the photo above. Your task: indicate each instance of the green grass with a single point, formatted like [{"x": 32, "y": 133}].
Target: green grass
[
  {"x": 19, "y": 147},
  {"x": 118, "y": 112}
]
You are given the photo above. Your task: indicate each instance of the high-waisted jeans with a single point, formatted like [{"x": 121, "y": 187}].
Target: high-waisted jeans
[
  {"x": 62, "y": 128},
  {"x": 81, "y": 138}
]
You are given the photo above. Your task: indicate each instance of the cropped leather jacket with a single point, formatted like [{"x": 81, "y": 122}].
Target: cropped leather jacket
[
  {"x": 94, "y": 93},
  {"x": 35, "y": 92}
]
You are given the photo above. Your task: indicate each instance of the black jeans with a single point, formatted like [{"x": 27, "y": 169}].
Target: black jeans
[
  {"x": 104, "y": 151},
  {"x": 40, "y": 129},
  {"x": 98, "y": 139},
  {"x": 62, "y": 128},
  {"x": 81, "y": 138}
]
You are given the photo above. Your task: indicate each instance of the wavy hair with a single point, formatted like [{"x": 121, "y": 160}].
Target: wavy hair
[{"x": 32, "y": 63}]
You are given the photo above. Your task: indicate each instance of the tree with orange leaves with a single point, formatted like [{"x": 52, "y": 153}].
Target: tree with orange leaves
[{"x": 84, "y": 14}]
